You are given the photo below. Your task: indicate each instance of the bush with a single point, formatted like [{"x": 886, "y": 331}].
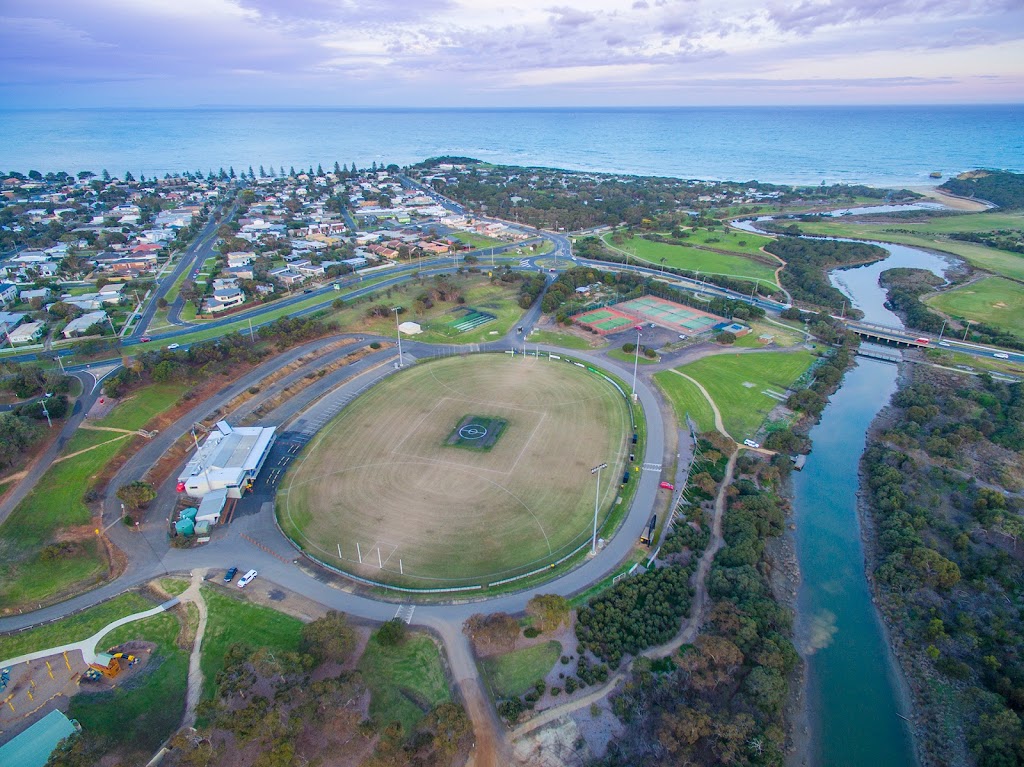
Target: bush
[
  {"x": 530, "y": 632},
  {"x": 629, "y": 348},
  {"x": 726, "y": 338},
  {"x": 375, "y": 345},
  {"x": 570, "y": 685},
  {"x": 510, "y": 710}
]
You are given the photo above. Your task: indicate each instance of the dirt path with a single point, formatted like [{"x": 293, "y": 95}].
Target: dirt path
[
  {"x": 688, "y": 633},
  {"x": 93, "y": 447},
  {"x": 491, "y": 748},
  {"x": 719, "y": 426},
  {"x": 195, "y": 673},
  {"x": 700, "y": 588}
]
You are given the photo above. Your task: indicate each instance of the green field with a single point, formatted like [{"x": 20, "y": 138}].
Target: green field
[
  {"x": 477, "y": 240},
  {"x": 73, "y": 628},
  {"x": 422, "y": 515},
  {"x": 141, "y": 714},
  {"x": 554, "y": 338},
  {"x": 736, "y": 383},
  {"x": 515, "y": 673},
  {"x": 406, "y": 681},
  {"x": 686, "y": 398},
  {"x": 57, "y": 502},
  {"x": 630, "y": 357},
  {"x": 931, "y": 234},
  {"x": 993, "y": 300},
  {"x": 232, "y": 620},
  {"x": 688, "y": 258},
  {"x": 733, "y": 240}
]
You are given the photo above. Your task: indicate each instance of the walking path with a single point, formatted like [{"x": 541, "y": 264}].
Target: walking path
[
  {"x": 194, "y": 691},
  {"x": 88, "y": 646},
  {"x": 719, "y": 426}
]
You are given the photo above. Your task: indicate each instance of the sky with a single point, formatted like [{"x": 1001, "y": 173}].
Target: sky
[{"x": 508, "y": 53}]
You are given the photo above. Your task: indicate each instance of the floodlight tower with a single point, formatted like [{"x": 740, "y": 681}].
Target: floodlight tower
[
  {"x": 398, "y": 333},
  {"x": 636, "y": 360},
  {"x": 597, "y": 500}
]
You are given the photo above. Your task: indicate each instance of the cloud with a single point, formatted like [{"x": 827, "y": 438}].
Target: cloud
[{"x": 449, "y": 51}]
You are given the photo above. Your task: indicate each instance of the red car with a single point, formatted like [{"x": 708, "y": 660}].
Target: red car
[
  {"x": 145, "y": 339},
  {"x": 667, "y": 486}
]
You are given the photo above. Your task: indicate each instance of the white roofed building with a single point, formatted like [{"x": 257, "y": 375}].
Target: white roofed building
[{"x": 229, "y": 459}]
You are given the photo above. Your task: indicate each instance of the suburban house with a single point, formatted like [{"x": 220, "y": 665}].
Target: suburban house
[
  {"x": 8, "y": 293},
  {"x": 81, "y": 324},
  {"x": 225, "y": 298},
  {"x": 27, "y": 333},
  {"x": 239, "y": 258},
  {"x": 308, "y": 269},
  {"x": 10, "y": 320},
  {"x": 29, "y": 294},
  {"x": 285, "y": 275}
]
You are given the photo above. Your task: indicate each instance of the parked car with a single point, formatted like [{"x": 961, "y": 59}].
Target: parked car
[
  {"x": 667, "y": 486},
  {"x": 230, "y": 574},
  {"x": 172, "y": 347},
  {"x": 246, "y": 579},
  {"x": 751, "y": 443},
  {"x": 145, "y": 339}
]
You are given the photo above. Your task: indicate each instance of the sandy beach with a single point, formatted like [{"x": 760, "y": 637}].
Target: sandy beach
[{"x": 951, "y": 201}]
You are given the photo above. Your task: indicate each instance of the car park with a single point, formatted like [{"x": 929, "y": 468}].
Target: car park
[
  {"x": 246, "y": 579},
  {"x": 230, "y": 574}
]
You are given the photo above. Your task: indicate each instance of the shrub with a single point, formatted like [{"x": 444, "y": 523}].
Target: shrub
[
  {"x": 510, "y": 709},
  {"x": 392, "y": 633},
  {"x": 530, "y": 632},
  {"x": 375, "y": 345}
]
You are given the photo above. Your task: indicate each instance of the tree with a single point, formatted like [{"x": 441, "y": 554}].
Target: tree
[
  {"x": 725, "y": 338},
  {"x": 392, "y": 633},
  {"x": 549, "y": 611},
  {"x": 498, "y": 631},
  {"x": 136, "y": 495},
  {"x": 329, "y": 638},
  {"x": 129, "y": 177},
  {"x": 712, "y": 662}
]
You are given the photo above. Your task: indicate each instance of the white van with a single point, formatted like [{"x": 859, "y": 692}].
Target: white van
[
  {"x": 1001, "y": 355},
  {"x": 247, "y": 578},
  {"x": 751, "y": 443}
]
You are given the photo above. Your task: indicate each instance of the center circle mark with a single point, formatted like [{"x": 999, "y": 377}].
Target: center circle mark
[{"x": 472, "y": 431}]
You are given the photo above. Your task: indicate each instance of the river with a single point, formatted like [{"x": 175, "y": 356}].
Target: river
[{"x": 853, "y": 691}]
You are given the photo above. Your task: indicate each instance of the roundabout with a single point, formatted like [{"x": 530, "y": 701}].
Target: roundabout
[{"x": 460, "y": 472}]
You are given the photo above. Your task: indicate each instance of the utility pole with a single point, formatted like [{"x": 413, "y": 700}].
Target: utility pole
[
  {"x": 967, "y": 330},
  {"x": 636, "y": 362},
  {"x": 46, "y": 413},
  {"x": 943, "y": 329},
  {"x": 252, "y": 337},
  {"x": 597, "y": 500},
  {"x": 398, "y": 333}
]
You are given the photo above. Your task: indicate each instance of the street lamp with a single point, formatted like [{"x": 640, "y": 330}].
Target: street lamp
[
  {"x": 636, "y": 361},
  {"x": 597, "y": 500},
  {"x": 943, "y": 330},
  {"x": 398, "y": 333},
  {"x": 967, "y": 330}
]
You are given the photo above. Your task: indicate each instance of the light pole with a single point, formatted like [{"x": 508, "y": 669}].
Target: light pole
[
  {"x": 398, "y": 333},
  {"x": 636, "y": 361},
  {"x": 61, "y": 363},
  {"x": 943, "y": 330},
  {"x": 597, "y": 500},
  {"x": 967, "y": 330}
]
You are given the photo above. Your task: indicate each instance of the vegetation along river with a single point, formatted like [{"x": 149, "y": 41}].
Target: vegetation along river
[{"x": 853, "y": 691}]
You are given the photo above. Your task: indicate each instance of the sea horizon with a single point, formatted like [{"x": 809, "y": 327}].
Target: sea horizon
[{"x": 879, "y": 145}]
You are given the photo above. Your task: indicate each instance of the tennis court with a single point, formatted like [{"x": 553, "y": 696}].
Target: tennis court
[
  {"x": 606, "y": 320},
  {"x": 668, "y": 314}
]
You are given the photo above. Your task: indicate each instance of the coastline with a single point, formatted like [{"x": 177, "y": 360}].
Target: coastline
[{"x": 959, "y": 204}]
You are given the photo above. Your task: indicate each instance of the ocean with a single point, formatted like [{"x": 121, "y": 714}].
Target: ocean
[{"x": 885, "y": 146}]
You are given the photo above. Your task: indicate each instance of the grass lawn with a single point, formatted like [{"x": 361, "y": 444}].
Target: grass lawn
[
  {"x": 554, "y": 338},
  {"x": 477, "y": 240},
  {"x": 993, "y": 300},
  {"x": 499, "y": 299},
  {"x": 141, "y": 713},
  {"x": 515, "y": 673},
  {"x": 932, "y": 234},
  {"x": 686, "y": 398},
  {"x": 399, "y": 675},
  {"x": 744, "y": 407},
  {"x": 232, "y": 620},
  {"x": 733, "y": 240},
  {"x": 705, "y": 261},
  {"x": 74, "y": 627},
  {"x": 188, "y": 312},
  {"x": 174, "y": 586},
  {"x": 57, "y": 502},
  {"x": 630, "y": 357}
]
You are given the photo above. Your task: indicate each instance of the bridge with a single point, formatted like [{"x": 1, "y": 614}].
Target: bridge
[{"x": 887, "y": 335}]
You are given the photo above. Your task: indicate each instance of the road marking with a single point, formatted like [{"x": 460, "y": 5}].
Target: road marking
[
  {"x": 405, "y": 612},
  {"x": 652, "y": 467}
]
